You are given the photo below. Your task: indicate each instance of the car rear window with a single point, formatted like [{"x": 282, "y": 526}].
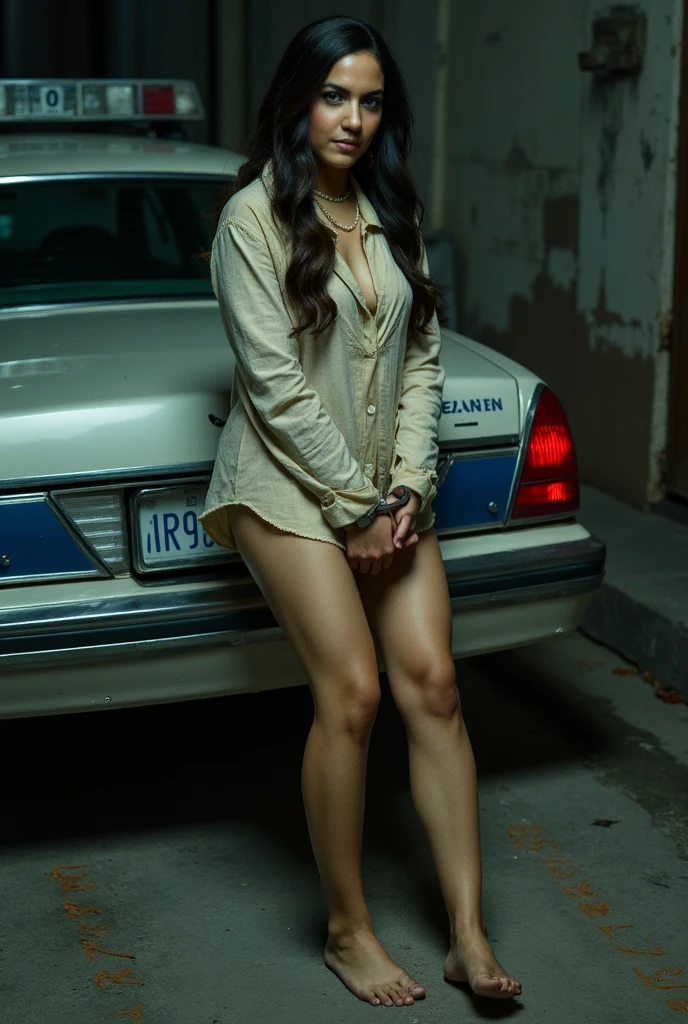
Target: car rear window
[{"x": 95, "y": 239}]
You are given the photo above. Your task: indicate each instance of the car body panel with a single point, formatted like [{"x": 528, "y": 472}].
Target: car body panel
[
  {"x": 40, "y": 155},
  {"x": 122, "y": 395},
  {"x": 202, "y": 639}
]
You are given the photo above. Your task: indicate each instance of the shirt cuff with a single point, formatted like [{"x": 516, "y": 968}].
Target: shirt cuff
[
  {"x": 341, "y": 508},
  {"x": 422, "y": 481}
]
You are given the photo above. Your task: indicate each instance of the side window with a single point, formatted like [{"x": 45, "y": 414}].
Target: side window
[{"x": 163, "y": 249}]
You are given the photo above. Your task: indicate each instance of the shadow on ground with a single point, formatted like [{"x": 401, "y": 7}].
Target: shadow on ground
[{"x": 238, "y": 759}]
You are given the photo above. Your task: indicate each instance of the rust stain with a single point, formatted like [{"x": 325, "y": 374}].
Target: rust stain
[
  {"x": 609, "y": 929},
  {"x": 90, "y": 948},
  {"x": 72, "y": 909},
  {"x": 594, "y": 909},
  {"x": 68, "y": 882},
  {"x": 579, "y": 889},
  {"x": 561, "y": 868},
  {"x": 95, "y": 930},
  {"x": 122, "y": 978},
  {"x": 135, "y": 1014},
  {"x": 655, "y": 980},
  {"x": 666, "y": 978},
  {"x": 665, "y": 326}
]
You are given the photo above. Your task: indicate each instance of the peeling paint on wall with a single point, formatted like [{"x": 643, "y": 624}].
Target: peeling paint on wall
[{"x": 561, "y": 198}]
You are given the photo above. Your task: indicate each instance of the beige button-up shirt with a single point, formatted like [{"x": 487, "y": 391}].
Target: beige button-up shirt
[{"x": 319, "y": 429}]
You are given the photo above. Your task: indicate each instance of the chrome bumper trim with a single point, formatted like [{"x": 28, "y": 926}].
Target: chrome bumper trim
[{"x": 236, "y": 614}]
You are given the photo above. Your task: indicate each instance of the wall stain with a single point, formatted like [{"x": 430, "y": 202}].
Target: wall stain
[
  {"x": 574, "y": 354},
  {"x": 602, "y": 316},
  {"x": 647, "y": 153},
  {"x": 608, "y": 96},
  {"x": 517, "y": 159},
  {"x": 609, "y": 137}
]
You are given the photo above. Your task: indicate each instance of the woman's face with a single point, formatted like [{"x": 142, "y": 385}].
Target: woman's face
[{"x": 348, "y": 107}]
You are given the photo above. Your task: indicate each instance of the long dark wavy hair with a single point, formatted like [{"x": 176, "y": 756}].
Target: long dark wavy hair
[{"x": 283, "y": 134}]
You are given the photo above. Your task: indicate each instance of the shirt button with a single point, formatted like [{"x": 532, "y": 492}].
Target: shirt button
[{"x": 371, "y": 410}]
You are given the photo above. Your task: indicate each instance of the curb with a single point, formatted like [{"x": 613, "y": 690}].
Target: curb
[{"x": 639, "y": 634}]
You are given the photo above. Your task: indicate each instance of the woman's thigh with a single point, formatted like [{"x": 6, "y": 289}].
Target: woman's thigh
[
  {"x": 311, "y": 591},
  {"x": 409, "y": 610}
]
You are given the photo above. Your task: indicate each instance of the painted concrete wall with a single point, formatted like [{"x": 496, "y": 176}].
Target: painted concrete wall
[{"x": 560, "y": 191}]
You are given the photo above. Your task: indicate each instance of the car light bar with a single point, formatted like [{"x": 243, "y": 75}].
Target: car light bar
[{"x": 103, "y": 99}]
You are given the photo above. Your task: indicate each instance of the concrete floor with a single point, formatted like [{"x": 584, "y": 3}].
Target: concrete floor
[{"x": 198, "y": 873}]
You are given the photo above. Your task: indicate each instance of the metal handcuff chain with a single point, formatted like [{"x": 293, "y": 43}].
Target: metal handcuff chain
[{"x": 384, "y": 507}]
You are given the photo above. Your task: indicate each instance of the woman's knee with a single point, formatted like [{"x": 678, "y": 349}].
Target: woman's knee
[
  {"x": 349, "y": 702},
  {"x": 429, "y": 689}
]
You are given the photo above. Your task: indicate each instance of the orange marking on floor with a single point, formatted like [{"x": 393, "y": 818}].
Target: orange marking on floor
[
  {"x": 655, "y": 981},
  {"x": 74, "y": 910},
  {"x": 96, "y": 931},
  {"x": 527, "y": 837},
  {"x": 560, "y": 868},
  {"x": 67, "y": 881},
  {"x": 579, "y": 889},
  {"x": 609, "y": 929},
  {"x": 122, "y": 978},
  {"x": 594, "y": 909},
  {"x": 90, "y": 948},
  {"x": 135, "y": 1013}
]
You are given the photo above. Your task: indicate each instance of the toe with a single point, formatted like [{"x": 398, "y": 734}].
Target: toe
[
  {"x": 410, "y": 985},
  {"x": 394, "y": 995},
  {"x": 384, "y": 997},
  {"x": 398, "y": 994},
  {"x": 373, "y": 999}
]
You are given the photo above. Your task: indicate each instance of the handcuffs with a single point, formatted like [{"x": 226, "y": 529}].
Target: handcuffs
[{"x": 383, "y": 507}]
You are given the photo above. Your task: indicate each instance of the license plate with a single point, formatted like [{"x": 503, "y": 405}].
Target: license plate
[{"x": 169, "y": 531}]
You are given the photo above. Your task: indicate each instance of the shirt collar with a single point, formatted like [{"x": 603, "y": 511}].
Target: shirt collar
[{"x": 367, "y": 209}]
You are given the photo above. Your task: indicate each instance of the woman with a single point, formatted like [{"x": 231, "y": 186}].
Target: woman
[{"x": 322, "y": 284}]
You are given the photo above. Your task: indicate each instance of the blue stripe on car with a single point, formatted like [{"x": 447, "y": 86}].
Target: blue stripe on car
[
  {"x": 36, "y": 542},
  {"x": 470, "y": 487}
]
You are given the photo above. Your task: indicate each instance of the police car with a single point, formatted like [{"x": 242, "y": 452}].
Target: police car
[{"x": 115, "y": 377}]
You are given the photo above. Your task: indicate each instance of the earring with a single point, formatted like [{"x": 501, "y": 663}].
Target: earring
[{"x": 371, "y": 160}]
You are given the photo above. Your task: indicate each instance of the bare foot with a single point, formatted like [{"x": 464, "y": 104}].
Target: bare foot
[
  {"x": 472, "y": 961},
  {"x": 365, "y": 968}
]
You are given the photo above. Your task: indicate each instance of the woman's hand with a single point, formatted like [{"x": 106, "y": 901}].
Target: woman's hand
[
  {"x": 370, "y": 549},
  {"x": 404, "y": 520}
]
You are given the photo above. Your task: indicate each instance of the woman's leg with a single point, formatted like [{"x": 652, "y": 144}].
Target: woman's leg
[
  {"x": 310, "y": 588},
  {"x": 408, "y": 608}
]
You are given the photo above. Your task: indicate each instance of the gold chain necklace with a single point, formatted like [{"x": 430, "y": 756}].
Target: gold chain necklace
[
  {"x": 344, "y": 227},
  {"x": 333, "y": 199}
]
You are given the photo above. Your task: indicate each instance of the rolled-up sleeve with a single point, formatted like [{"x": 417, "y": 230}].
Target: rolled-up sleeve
[
  {"x": 416, "y": 425},
  {"x": 287, "y": 413}
]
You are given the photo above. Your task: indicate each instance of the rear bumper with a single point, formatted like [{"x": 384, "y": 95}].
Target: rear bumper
[{"x": 149, "y": 621}]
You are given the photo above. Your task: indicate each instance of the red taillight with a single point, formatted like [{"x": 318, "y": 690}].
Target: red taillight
[
  {"x": 158, "y": 99},
  {"x": 549, "y": 478}
]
